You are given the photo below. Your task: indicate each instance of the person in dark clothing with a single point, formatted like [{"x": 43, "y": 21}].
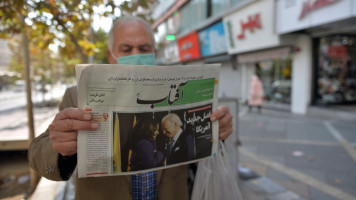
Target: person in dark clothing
[
  {"x": 144, "y": 154},
  {"x": 181, "y": 143}
]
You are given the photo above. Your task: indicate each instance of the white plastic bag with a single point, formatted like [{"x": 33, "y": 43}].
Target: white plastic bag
[{"x": 215, "y": 179}]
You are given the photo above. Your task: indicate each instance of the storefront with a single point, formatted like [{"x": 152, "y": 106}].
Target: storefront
[
  {"x": 336, "y": 70},
  {"x": 331, "y": 28},
  {"x": 274, "y": 67},
  {"x": 251, "y": 36}
]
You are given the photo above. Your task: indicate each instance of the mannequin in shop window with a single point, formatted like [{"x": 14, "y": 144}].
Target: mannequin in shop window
[{"x": 256, "y": 90}]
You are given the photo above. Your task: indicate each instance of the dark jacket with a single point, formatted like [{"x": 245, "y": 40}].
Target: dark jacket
[
  {"x": 183, "y": 149},
  {"x": 145, "y": 156}
]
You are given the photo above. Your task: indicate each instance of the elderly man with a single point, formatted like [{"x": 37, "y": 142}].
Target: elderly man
[
  {"x": 53, "y": 154},
  {"x": 181, "y": 145}
]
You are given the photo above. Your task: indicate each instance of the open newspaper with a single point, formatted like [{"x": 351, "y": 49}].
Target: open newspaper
[{"x": 150, "y": 117}]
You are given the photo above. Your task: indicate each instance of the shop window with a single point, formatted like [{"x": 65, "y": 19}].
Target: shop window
[
  {"x": 276, "y": 78},
  {"x": 336, "y": 70},
  {"x": 192, "y": 14},
  {"x": 219, "y": 6},
  {"x": 197, "y": 11},
  {"x": 234, "y": 2}
]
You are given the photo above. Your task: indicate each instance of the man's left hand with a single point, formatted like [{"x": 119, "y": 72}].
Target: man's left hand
[{"x": 224, "y": 116}]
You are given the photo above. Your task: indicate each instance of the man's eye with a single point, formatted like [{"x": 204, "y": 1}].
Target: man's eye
[
  {"x": 145, "y": 49},
  {"x": 126, "y": 50}
]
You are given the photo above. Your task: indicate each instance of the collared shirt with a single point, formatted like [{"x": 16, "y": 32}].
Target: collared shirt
[{"x": 144, "y": 186}]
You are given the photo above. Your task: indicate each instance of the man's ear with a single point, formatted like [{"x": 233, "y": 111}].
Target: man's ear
[{"x": 111, "y": 59}]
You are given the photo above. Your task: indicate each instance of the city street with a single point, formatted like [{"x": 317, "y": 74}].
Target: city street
[
  {"x": 12, "y": 100},
  {"x": 298, "y": 157},
  {"x": 14, "y": 122},
  {"x": 13, "y": 113}
]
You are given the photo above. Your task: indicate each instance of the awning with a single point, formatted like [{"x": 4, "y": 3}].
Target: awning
[{"x": 280, "y": 53}]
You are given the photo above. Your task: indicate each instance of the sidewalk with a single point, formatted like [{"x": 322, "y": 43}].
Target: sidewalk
[{"x": 298, "y": 157}]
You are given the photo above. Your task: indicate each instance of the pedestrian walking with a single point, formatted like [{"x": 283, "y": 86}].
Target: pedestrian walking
[{"x": 256, "y": 93}]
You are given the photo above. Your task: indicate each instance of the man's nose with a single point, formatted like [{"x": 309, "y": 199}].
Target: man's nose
[{"x": 135, "y": 51}]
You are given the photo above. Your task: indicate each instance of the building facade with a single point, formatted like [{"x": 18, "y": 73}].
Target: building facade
[
  {"x": 304, "y": 51},
  {"x": 330, "y": 29}
]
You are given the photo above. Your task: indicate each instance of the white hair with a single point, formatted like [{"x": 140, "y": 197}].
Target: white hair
[
  {"x": 173, "y": 118},
  {"x": 126, "y": 20}
]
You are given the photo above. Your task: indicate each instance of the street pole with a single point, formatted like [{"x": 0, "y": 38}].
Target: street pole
[{"x": 34, "y": 176}]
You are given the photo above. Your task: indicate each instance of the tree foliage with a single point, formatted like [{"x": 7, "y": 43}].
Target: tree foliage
[{"x": 64, "y": 22}]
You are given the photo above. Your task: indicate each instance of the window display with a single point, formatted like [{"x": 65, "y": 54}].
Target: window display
[
  {"x": 276, "y": 79},
  {"x": 336, "y": 70}
]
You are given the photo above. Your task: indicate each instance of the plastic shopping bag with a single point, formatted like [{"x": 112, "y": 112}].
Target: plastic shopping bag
[{"x": 215, "y": 179}]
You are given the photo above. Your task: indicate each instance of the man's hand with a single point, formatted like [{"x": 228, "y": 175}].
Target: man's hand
[
  {"x": 224, "y": 116},
  {"x": 63, "y": 130}
]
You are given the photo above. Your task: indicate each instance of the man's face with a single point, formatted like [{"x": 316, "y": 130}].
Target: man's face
[
  {"x": 105, "y": 115},
  {"x": 130, "y": 39},
  {"x": 169, "y": 128}
]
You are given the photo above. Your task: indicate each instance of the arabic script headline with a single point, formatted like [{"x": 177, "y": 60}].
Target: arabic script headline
[{"x": 154, "y": 79}]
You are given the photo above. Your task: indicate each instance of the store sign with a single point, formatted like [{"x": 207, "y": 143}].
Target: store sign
[
  {"x": 308, "y": 6},
  {"x": 294, "y": 15},
  {"x": 253, "y": 23},
  {"x": 338, "y": 51},
  {"x": 212, "y": 40},
  {"x": 251, "y": 28},
  {"x": 189, "y": 47},
  {"x": 171, "y": 53}
]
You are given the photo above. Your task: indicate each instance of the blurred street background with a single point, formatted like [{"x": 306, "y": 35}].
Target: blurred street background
[{"x": 301, "y": 146}]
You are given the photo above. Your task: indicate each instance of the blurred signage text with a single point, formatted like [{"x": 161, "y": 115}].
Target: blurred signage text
[
  {"x": 308, "y": 7},
  {"x": 252, "y": 23},
  {"x": 189, "y": 47},
  {"x": 212, "y": 40}
]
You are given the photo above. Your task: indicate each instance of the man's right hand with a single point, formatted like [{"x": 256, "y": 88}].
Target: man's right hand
[{"x": 63, "y": 130}]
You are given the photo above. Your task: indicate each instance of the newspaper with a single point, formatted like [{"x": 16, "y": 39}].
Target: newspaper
[{"x": 150, "y": 117}]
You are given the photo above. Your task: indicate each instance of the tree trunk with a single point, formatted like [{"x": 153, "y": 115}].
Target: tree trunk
[{"x": 34, "y": 176}]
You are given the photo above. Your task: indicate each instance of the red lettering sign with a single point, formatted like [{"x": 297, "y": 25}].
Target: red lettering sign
[
  {"x": 252, "y": 23},
  {"x": 189, "y": 47},
  {"x": 309, "y": 7},
  {"x": 338, "y": 51}
]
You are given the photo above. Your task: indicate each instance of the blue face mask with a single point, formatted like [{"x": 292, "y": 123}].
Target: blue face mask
[{"x": 138, "y": 59}]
